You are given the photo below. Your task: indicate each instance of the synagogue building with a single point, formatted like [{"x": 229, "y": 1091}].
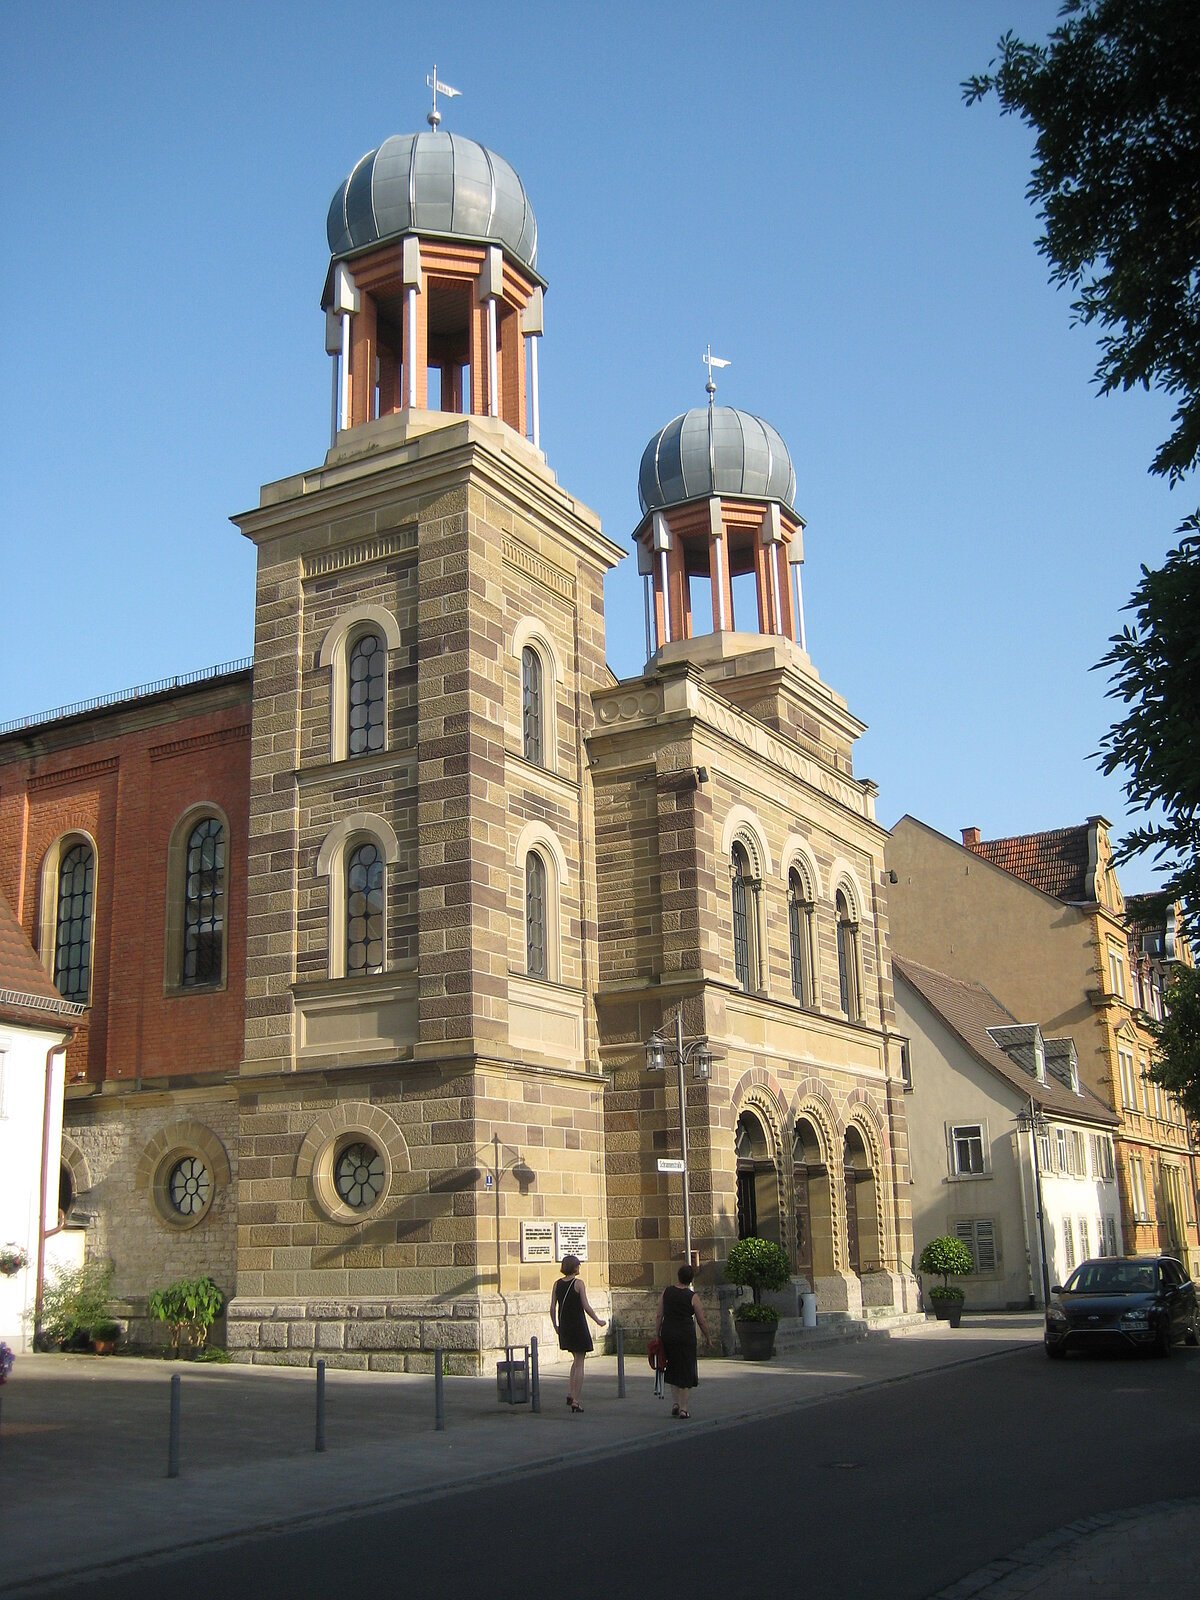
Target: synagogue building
[{"x": 372, "y": 932}]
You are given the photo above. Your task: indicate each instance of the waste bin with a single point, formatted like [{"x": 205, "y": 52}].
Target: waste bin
[
  {"x": 808, "y": 1309},
  {"x": 512, "y": 1379}
]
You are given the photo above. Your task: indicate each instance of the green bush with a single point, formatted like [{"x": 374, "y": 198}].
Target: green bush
[
  {"x": 757, "y": 1264},
  {"x": 189, "y": 1308},
  {"x": 751, "y": 1312},
  {"x": 949, "y": 1258},
  {"x": 75, "y": 1302}
]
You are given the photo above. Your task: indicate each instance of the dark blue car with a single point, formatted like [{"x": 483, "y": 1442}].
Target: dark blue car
[{"x": 1123, "y": 1302}]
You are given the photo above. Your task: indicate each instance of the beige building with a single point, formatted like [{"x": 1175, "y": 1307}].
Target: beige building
[
  {"x": 474, "y": 874},
  {"x": 1041, "y": 921},
  {"x": 1011, "y": 1152}
]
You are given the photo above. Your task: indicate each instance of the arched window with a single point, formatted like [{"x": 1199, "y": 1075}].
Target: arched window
[
  {"x": 532, "y": 721},
  {"x": 800, "y": 931},
  {"x": 73, "y": 923},
  {"x": 367, "y": 689},
  {"x": 744, "y": 894},
  {"x": 204, "y": 905},
  {"x": 847, "y": 953},
  {"x": 535, "y": 915},
  {"x": 365, "y": 903}
]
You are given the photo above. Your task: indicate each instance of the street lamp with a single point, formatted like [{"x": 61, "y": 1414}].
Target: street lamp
[
  {"x": 698, "y": 1055},
  {"x": 1033, "y": 1120}
]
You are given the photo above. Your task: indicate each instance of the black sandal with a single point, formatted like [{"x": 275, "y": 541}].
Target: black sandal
[
  {"x": 674, "y": 1411},
  {"x": 574, "y": 1407}
]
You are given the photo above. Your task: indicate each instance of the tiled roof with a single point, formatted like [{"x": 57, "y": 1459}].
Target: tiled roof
[
  {"x": 1055, "y": 862},
  {"x": 969, "y": 1010},
  {"x": 26, "y": 993}
]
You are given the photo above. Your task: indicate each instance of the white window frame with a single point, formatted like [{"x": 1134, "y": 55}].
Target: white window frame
[
  {"x": 1116, "y": 971},
  {"x": 968, "y": 1132}
]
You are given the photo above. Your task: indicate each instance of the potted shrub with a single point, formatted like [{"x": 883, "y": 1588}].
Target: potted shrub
[
  {"x": 949, "y": 1258},
  {"x": 106, "y": 1336},
  {"x": 6, "y": 1361},
  {"x": 189, "y": 1308},
  {"x": 757, "y": 1264},
  {"x": 74, "y": 1303}
]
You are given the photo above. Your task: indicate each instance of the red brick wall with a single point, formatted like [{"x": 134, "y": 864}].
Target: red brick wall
[{"x": 125, "y": 776}]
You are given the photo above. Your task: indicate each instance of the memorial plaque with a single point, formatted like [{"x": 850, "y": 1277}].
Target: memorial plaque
[
  {"x": 537, "y": 1241},
  {"x": 570, "y": 1239}
]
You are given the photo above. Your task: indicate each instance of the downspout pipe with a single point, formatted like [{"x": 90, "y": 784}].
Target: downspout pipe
[{"x": 54, "y": 1050}]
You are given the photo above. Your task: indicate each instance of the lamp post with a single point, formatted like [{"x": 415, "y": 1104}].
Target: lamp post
[
  {"x": 1033, "y": 1120},
  {"x": 698, "y": 1055},
  {"x": 505, "y": 1160}
]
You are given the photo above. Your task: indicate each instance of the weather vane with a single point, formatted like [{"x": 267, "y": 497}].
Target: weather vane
[
  {"x": 711, "y": 361},
  {"x": 435, "y": 116}
]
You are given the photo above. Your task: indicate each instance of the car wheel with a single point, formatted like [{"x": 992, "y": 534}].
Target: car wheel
[
  {"x": 1056, "y": 1352},
  {"x": 1192, "y": 1336},
  {"x": 1162, "y": 1345}
]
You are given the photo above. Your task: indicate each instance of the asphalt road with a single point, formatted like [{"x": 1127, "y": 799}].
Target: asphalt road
[{"x": 891, "y": 1494}]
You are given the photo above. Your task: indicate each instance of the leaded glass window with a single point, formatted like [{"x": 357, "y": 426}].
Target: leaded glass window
[
  {"x": 73, "y": 930},
  {"x": 800, "y": 930},
  {"x": 531, "y": 705},
  {"x": 535, "y": 915},
  {"x": 368, "y": 694},
  {"x": 204, "y": 904},
  {"x": 189, "y": 1187},
  {"x": 741, "y": 921},
  {"x": 358, "y": 1175},
  {"x": 364, "y": 910}
]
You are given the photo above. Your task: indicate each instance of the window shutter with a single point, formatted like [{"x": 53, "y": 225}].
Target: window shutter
[{"x": 985, "y": 1246}]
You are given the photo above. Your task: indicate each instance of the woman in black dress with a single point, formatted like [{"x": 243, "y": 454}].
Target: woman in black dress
[
  {"x": 679, "y": 1314},
  {"x": 569, "y": 1311}
]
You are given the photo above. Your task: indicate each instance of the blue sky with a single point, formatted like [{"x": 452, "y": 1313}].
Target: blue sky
[{"x": 799, "y": 184}]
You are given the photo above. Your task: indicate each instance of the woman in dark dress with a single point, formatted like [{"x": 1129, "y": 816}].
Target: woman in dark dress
[
  {"x": 679, "y": 1314},
  {"x": 569, "y": 1310}
]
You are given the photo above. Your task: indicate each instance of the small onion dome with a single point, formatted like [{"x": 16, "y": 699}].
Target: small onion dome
[
  {"x": 747, "y": 458},
  {"x": 432, "y": 183}
]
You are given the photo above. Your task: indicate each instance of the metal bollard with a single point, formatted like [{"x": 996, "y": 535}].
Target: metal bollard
[
  {"x": 173, "y": 1441},
  {"x": 320, "y": 1441},
  {"x": 439, "y": 1394},
  {"x": 535, "y": 1380},
  {"x": 620, "y": 1363}
]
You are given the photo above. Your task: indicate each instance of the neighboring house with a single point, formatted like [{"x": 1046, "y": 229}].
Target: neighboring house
[
  {"x": 35, "y": 1023},
  {"x": 1000, "y": 1128},
  {"x": 373, "y": 930},
  {"x": 1040, "y": 920}
]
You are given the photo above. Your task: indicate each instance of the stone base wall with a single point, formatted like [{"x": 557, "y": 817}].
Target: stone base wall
[
  {"x": 116, "y": 1146},
  {"x": 395, "y": 1335}
]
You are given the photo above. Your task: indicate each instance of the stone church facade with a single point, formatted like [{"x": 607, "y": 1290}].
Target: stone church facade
[{"x": 373, "y": 930}]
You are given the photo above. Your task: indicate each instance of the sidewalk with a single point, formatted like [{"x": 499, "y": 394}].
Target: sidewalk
[{"x": 71, "y": 1423}]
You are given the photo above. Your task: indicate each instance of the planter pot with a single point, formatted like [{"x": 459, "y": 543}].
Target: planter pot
[
  {"x": 948, "y": 1311},
  {"x": 104, "y": 1347},
  {"x": 757, "y": 1339}
]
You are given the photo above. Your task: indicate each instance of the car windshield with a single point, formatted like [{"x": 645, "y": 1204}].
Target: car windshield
[{"x": 1113, "y": 1277}]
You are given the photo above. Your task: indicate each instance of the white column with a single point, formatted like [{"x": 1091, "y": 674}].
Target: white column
[
  {"x": 535, "y": 412},
  {"x": 796, "y": 561},
  {"x": 413, "y": 284}
]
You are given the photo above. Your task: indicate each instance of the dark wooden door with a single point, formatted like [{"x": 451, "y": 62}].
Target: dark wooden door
[
  {"x": 747, "y": 1201},
  {"x": 852, "y": 1218},
  {"x": 804, "y": 1249}
]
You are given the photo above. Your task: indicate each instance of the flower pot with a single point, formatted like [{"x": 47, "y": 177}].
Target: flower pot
[
  {"x": 948, "y": 1311},
  {"x": 757, "y": 1339}
]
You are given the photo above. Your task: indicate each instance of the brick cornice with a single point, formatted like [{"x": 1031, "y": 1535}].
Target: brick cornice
[
  {"x": 200, "y": 741},
  {"x": 89, "y": 769}
]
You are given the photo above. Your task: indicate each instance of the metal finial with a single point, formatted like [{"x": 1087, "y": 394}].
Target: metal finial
[
  {"x": 434, "y": 116},
  {"x": 711, "y": 361}
]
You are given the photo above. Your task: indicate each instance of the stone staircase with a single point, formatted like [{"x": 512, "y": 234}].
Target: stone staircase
[{"x": 838, "y": 1327}]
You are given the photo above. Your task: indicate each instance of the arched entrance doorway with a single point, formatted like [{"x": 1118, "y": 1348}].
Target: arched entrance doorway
[
  {"x": 862, "y": 1206},
  {"x": 757, "y": 1181},
  {"x": 813, "y": 1204}
]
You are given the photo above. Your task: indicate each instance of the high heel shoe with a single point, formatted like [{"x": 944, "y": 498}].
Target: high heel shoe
[{"x": 574, "y": 1407}]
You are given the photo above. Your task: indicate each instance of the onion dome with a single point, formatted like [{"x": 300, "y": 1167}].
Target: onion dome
[
  {"x": 744, "y": 457},
  {"x": 433, "y": 184}
]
